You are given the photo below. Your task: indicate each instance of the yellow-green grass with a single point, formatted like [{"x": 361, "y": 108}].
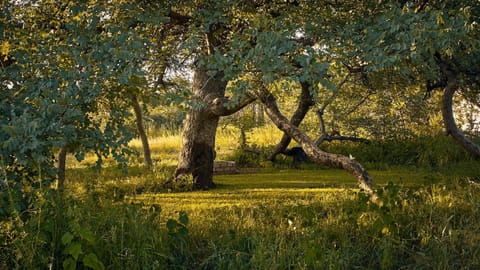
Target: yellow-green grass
[
  {"x": 318, "y": 178},
  {"x": 312, "y": 218},
  {"x": 284, "y": 219},
  {"x": 165, "y": 148},
  {"x": 294, "y": 219},
  {"x": 273, "y": 186}
]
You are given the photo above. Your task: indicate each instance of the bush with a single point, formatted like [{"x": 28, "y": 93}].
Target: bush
[
  {"x": 67, "y": 233},
  {"x": 429, "y": 152},
  {"x": 244, "y": 158}
]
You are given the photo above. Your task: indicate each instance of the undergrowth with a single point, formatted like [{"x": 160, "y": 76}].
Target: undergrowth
[
  {"x": 433, "y": 152},
  {"x": 290, "y": 223},
  {"x": 278, "y": 218}
]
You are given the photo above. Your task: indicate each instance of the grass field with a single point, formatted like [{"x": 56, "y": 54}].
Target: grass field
[
  {"x": 273, "y": 218},
  {"x": 284, "y": 218},
  {"x": 293, "y": 219}
]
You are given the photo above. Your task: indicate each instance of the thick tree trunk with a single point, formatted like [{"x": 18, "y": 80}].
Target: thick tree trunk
[
  {"x": 313, "y": 152},
  {"x": 61, "y": 167},
  {"x": 306, "y": 101},
  {"x": 448, "y": 117},
  {"x": 141, "y": 132},
  {"x": 200, "y": 126}
]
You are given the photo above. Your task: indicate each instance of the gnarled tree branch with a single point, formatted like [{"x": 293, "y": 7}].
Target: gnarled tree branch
[
  {"x": 306, "y": 101},
  {"x": 447, "y": 111},
  {"x": 313, "y": 152}
]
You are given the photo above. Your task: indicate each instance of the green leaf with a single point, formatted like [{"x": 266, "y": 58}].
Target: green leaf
[
  {"x": 91, "y": 260},
  {"x": 69, "y": 264},
  {"x": 74, "y": 249},
  {"x": 183, "y": 218},
  {"x": 87, "y": 235},
  {"x": 123, "y": 78},
  {"x": 67, "y": 238},
  {"x": 183, "y": 232},
  {"x": 171, "y": 225}
]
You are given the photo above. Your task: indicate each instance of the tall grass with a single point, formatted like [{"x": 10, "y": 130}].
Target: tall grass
[
  {"x": 292, "y": 222},
  {"x": 274, "y": 219},
  {"x": 434, "y": 226},
  {"x": 291, "y": 219},
  {"x": 165, "y": 147}
]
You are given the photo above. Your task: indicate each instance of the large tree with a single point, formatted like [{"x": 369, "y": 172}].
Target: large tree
[
  {"x": 241, "y": 46},
  {"x": 209, "y": 24}
]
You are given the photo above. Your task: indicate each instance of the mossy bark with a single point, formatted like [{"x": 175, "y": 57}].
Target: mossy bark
[
  {"x": 61, "y": 167},
  {"x": 447, "y": 111},
  {"x": 200, "y": 126}
]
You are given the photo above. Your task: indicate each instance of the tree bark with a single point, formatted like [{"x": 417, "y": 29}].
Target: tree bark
[
  {"x": 61, "y": 167},
  {"x": 306, "y": 101},
  {"x": 200, "y": 126},
  {"x": 448, "y": 117},
  {"x": 141, "y": 132},
  {"x": 313, "y": 152}
]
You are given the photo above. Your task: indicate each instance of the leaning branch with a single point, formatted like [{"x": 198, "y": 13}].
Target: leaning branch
[
  {"x": 314, "y": 153},
  {"x": 306, "y": 101}
]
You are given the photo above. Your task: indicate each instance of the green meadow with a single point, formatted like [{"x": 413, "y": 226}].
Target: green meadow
[{"x": 272, "y": 217}]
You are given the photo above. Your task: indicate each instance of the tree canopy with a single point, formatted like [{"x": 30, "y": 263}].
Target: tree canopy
[{"x": 71, "y": 71}]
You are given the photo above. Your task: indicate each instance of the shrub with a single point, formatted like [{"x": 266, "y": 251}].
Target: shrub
[{"x": 430, "y": 152}]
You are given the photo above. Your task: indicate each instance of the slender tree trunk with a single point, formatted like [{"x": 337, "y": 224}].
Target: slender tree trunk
[
  {"x": 200, "y": 126},
  {"x": 314, "y": 153},
  {"x": 306, "y": 101},
  {"x": 141, "y": 132},
  {"x": 448, "y": 117},
  {"x": 243, "y": 138},
  {"x": 61, "y": 165}
]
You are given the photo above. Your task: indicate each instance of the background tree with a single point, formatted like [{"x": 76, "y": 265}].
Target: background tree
[
  {"x": 433, "y": 42},
  {"x": 67, "y": 72}
]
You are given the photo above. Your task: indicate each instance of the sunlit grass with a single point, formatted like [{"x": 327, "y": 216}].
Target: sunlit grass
[
  {"x": 273, "y": 188},
  {"x": 166, "y": 147},
  {"x": 309, "y": 218},
  {"x": 267, "y": 135},
  {"x": 240, "y": 198},
  {"x": 313, "y": 218}
]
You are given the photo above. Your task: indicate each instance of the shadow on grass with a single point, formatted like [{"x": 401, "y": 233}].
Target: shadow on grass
[{"x": 321, "y": 178}]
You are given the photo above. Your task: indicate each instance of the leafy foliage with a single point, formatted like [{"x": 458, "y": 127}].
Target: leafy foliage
[
  {"x": 71, "y": 66},
  {"x": 68, "y": 71}
]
